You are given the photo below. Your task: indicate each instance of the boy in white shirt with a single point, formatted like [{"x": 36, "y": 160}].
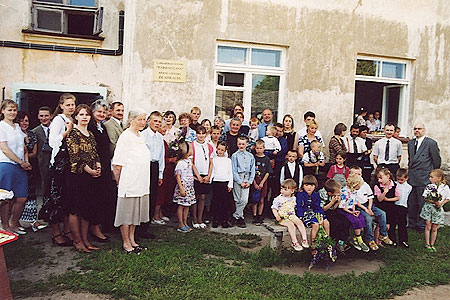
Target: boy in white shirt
[
  {"x": 271, "y": 143},
  {"x": 292, "y": 169},
  {"x": 401, "y": 209},
  {"x": 364, "y": 203},
  {"x": 222, "y": 184}
]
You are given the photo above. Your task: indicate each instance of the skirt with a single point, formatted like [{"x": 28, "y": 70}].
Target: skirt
[
  {"x": 355, "y": 222},
  {"x": 29, "y": 213},
  {"x": 14, "y": 178},
  {"x": 132, "y": 210},
  {"x": 430, "y": 213}
]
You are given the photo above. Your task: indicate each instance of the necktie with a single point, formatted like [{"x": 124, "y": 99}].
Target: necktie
[
  {"x": 386, "y": 152},
  {"x": 355, "y": 146},
  {"x": 415, "y": 146},
  {"x": 121, "y": 125}
]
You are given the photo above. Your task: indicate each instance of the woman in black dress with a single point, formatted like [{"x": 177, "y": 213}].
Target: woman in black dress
[
  {"x": 289, "y": 133},
  {"x": 104, "y": 205},
  {"x": 85, "y": 169}
]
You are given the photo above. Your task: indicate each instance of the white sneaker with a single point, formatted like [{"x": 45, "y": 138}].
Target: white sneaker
[
  {"x": 165, "y": 219},
  {"x": 196, "y": 226},
  {"x": 158, "y": 222},
  {"x": 202, "y": 225},
  {"x": 305, "y": 244}
]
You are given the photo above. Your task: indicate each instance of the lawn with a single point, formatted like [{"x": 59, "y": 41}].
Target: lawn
[{"x": 203, "y": 265}]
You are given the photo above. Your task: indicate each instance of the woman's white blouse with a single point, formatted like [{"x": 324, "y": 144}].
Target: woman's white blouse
[
  {"x": 15, "y": 140},
  {"x": 133, "y": 155},
  {"x": 57, "y": 128}
]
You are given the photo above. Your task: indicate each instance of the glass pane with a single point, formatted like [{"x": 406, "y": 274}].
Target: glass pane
[
  {"x": 269, "y": 58},
  {"x": 90, "y": 3},
  {"x": 225, "y": 101},
  {"x": 52, "y": 1},
  {"x": 366, "y": 67},
  {"x": 230, "y": 79},
  {"x": 393, "y": 70},
  {"x": 265, "y": 90},
  {"x": 49, "y": 20},
  {"x": 231, "y": 55}
]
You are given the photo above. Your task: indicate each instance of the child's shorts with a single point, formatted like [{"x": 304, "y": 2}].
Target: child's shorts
[{"x": 430, "y": 213}]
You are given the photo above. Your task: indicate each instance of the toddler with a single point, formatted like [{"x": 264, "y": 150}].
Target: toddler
[
  {"x": 308, "y": 206},
  {"x": 291, "y": 168},
  {"x": 401, "y": 210},
  {"x": 253, "y": 133},
  {"x": 313, "y": 159},
  {"x": 271, "y": 144},
  {"x": 283, "y": 208},
  {"x": 436, "y": 194}
]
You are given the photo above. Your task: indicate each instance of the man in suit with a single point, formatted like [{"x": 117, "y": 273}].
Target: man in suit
[
  {"x": 44, "y": 150},
  {"x": 114, "y": 126},
  {"x": 423, "y": 153}
]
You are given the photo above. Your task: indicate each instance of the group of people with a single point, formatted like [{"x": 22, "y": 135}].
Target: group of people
[{"x": 98, "y": 172}]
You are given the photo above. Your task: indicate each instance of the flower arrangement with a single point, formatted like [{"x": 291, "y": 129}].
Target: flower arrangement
[
  {"x": 324, "y": 247},
  {"x": 431, "y": 194},
  {"x": 174, "y": 146}
]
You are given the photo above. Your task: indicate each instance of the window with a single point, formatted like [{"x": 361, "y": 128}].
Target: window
[
  {"x": 71, "y": 17},
  {"x": 382, "y": 84},
  {"x": 248, "y": 75}
]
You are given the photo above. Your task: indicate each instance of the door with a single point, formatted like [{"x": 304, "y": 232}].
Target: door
[{"x": 392, "y": 101}]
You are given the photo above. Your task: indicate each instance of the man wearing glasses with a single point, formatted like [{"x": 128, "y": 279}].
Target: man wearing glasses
[{"x": 423, "y": 155}]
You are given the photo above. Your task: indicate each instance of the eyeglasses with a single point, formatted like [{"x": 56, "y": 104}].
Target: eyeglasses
[{"x": 418, "y": 128}]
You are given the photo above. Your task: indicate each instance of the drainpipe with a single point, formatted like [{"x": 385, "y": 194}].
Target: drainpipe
[{"x": 117, "y": 52}]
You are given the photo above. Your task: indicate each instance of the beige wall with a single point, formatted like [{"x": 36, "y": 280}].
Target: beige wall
[{"x": 322, "y": 39}]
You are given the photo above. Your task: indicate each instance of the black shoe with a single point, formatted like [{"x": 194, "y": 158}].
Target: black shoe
[
  {"x": 100, "y": 240},
  {"x": 241, "y": 223},
  {"x": 255, "y": 220},
  {"x": 404, "y": 245},
  {"x": 233, "y": 222},
  {"x": 215, "y": 224},
  {"x": 225, "y": 224},
  {"x": 261, "y": 219}
]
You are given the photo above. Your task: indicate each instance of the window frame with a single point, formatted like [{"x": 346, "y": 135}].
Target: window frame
[
  {"x": 405, "y": 92},
  {"x": 66, "y": 9},
  {"x": 249, "y": 70}
]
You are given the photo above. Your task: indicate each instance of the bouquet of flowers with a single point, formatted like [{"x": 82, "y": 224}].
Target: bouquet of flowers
[
  {"x": 324, "y": 247},
  {"x": 431, "y": 194},
  {"x": 174, "y": 145}
]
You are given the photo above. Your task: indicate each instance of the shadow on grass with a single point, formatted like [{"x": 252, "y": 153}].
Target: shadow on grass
[{"x": 177, "y": 267}]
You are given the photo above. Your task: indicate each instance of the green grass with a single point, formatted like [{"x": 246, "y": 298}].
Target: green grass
[{"x": 194, "y": 266}]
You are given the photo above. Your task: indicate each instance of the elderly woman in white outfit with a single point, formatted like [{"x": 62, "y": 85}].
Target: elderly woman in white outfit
[{"x": 131, "y": 168}]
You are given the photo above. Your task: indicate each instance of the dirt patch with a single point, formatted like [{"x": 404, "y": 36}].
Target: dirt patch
[
  {"x": 341, "y": 267},
  {"x": 71, "y": 296},
  {"x": 426, "y": 293}
]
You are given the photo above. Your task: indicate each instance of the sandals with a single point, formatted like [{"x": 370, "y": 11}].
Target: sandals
[
  {"x": 297, "y": 246},
  {"x": 66, "y": 243},
  {"x": 430, "y": 248},
  {"x": 65, "y": 234},
  {"x": 305, "y": 244}
]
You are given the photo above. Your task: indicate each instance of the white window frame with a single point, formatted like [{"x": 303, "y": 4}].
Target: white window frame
[
  {"x": 249, "y": 70},
  {"x": 95, "y": 10},
  {"x": 404, "y": 84}
]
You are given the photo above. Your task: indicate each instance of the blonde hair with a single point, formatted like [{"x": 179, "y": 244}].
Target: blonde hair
[
  {"x": 61, "y": 101},
  {"x": 5, "y": 104},
  {"x": 272, "y": 130},
  {"x": 353, "y": 181},
  {"x": 312, "y": 123},
  {"x": 439, "y": 173},
  {"x": 259, "y": 143},
  {"x": 183, "y": 150},
  {"x": 289, "y": 184}
]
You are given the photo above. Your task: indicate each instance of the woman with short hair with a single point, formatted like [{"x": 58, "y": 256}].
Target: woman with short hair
[{"x": 336, "y": 143}]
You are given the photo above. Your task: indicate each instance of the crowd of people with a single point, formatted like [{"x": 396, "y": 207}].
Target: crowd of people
[{"x": 99, "y": 173}]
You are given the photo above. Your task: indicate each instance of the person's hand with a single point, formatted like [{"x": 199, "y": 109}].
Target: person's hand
[
  {"x": 437, "y": 204},
  {"x": 278, "y": 219},
  {"x": 229, "y": 189},
  {"x": 370, "y": 212},
  {"x": 206, "y": 179},
  {"x": 69, "y": 125},
  {"x": 243, "y": 185},
  {"x": 25, "y": 165},
  {"x": 275, "y": 152},
  {"x": 160, "y": 182},
  {"x": 356, "y": 213},
  {"x": 182, "y": 192}
]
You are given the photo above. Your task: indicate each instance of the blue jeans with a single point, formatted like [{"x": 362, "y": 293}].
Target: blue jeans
[{"x": 380, "y": 215}]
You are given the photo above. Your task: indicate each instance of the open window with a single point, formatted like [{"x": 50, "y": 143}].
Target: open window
[
  {"x": 69, "y": 17},
  {"x": 382, "y": 85},
  {"x": 250, "y": 75}
]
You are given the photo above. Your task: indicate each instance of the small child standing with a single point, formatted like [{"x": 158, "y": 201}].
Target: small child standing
[
  {"x": 271, "y": 143},
  {"x": 263, "y": 169},
  {"x": 243, "y": 164},
  {"x": 292, "y": 169},
  {"x": 222, "y": 184},
  {"x": 283, "y": 208},
  {"x": 253, "y": 133},
  {"x": 184, "y": 194},
  {"x": 347, "y": 207},
  {"x": 202, "y": 158},
  {"x": 401, "y": 209},
  {"x": 339, "y": 171},
  {"x": 308, "y": 205},
  {"x": 387, "y": 194},
  {"x": 436, "y": 194}
]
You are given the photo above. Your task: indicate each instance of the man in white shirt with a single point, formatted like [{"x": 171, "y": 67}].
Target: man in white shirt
[
  {"x": 155, "y": 143},
  {"x": 356, "y": 147},
  {"x": 387, "y": 152}
]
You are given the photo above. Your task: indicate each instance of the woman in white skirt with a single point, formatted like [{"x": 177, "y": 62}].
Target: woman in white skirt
[{"x": 131, "y": 168}]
